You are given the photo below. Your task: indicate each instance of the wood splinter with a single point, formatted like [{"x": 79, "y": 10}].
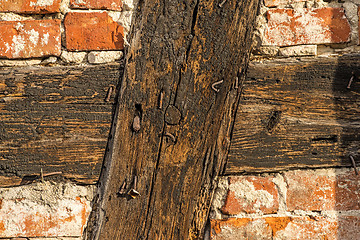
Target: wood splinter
[
  {"x": 354, "y": 165},
  {"x": 350, "y": 81},
  {"x": 215, "y": 84}
]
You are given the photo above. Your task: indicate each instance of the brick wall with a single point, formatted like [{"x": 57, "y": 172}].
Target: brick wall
[
  {"x": 287, "y": 28},
  {"x": 62, "y": 31},
  {"x": 300, "y": 204}
]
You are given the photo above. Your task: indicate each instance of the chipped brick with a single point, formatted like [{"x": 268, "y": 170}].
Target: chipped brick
[
  {"x": 287, "y": 27},
  {"x": 92, "y": 31},
  {"x": 32, "y": 38},
  {"x": 250, "y": 195}
]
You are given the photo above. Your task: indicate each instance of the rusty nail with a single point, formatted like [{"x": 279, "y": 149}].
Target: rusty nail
[
  {"x": 222, "y": 3},
  {"x": 136, "y": 124},
  {"x": 354, "y": 165},
  {"x": 122, "y": 189},
  {"x": 170, "y": 136},
  {"x": 236, "y": 83},
  {"x": 133, "y": 193},
  {"x": 216, "y": 83},
  {"x": 109, "y": 92},
  {"x": 161, "y": 99}
]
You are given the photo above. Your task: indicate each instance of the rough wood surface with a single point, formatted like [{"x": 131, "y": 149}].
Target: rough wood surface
[
  {"x": 55, "y": 118},
  {"x": 174, "y": 116},
  {"x": 296, "y": 114}
]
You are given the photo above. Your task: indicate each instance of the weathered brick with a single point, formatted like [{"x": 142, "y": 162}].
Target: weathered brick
[
  {"x": 280, "y": 228},
  {"x": 310, "y": 190},
  {"x": 24, "y": 217},
  {"x": 92, "y": 31},
  {"x": 323, "y": 190},
  {"x": 287, "y": 27},
  {"x": 32, "y": 38},
  {"x": 274, "y": 3},
  {"x": 347, "y": 193},
  {"x": 251, "y": 194},
  {"x": 30, "y": 6},
  {"x": 97, "y": 4}
]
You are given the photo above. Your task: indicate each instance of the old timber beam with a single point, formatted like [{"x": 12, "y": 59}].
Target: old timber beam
[{"x": 174, "y": 116}]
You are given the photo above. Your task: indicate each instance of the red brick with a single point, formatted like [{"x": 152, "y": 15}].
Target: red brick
[
  {"x": 310, "y": 190},
  {"x": 287, "y": 27},
  {"x": 289, "y": 228},
  {"x": 92, "y": 31},
  {"x": 30, "y": 6},
  {"x": 274, "y": 3},
  {"x": 24, "y": 217},
  {"x": 33, "y": 38},
  {"x": 347, "y": 193},
  {"x": 97, "y": 4},
  {"x": 250, "y": 195}
]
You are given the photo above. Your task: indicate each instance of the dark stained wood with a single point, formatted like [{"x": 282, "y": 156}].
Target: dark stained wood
[
  {"x": 55, "y": 118},
  {"x": 178, "y": 50},
  {"x": 296, "y": 114}
]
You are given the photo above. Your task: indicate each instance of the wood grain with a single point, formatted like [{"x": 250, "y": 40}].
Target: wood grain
[
  {"x": 178, "y": 49},
  {"x": 296, "y": 114},
  {"x": 55, "y": 118}
]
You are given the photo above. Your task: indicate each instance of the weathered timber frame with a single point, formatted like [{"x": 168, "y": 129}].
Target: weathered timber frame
[{"x": 172, "y": 126}]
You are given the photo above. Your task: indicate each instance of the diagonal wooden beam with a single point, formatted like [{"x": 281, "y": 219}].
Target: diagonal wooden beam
[{"x": 174, "y": 118}]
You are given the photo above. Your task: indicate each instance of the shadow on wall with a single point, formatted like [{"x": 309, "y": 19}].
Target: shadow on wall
[{"x": 346, "y": 94}]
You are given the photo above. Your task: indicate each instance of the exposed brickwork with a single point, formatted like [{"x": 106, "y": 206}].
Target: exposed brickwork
[
  {"x": 43, "y": 210},
  {"x": 97, "y": 4},
  {"x": 250, "y": 195},
  {"x": 30, "y": 6},
  {"x": 313, "y": 204},
  {"x": 310, "y": 26},
  {"x": 284, "y": 228},
  {"x": 33, "y": 38},
  {"x": 92, "y": 31}
]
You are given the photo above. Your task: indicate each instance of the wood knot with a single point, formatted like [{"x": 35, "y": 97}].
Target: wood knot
[
  {"x": 172, "y": 115},
  {"x": 274, "y": 119}
]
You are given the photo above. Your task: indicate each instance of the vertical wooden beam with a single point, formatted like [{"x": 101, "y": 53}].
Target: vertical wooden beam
[{"x": 174, "y": 117}]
